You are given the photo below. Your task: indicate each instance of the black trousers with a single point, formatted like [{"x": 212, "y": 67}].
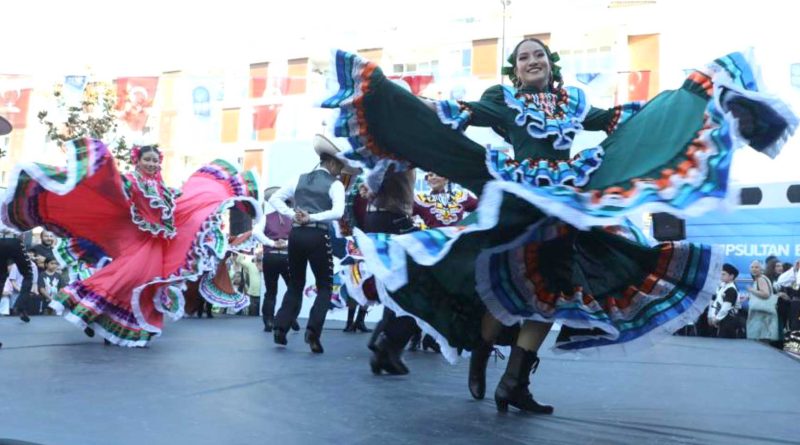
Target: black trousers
[
  {"x": 728, "y": 327},
  {"x": 398, "y": 330},
  {"x": 794, "y": 315},
  {"x": 11, "y": 249},
  {"x": 307, "y": 245},
  {"x": 275, "y": 265}
]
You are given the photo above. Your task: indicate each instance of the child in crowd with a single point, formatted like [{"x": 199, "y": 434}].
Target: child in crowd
[
  {"x": 722, "y": 311},
  {"x": 50, "y": 282}
]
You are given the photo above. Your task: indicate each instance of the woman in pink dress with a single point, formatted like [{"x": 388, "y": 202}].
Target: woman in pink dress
[{"x": 158, "y": 237}]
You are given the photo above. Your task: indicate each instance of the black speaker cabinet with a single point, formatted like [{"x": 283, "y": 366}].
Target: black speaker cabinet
[{"x": 668, "y": 228}]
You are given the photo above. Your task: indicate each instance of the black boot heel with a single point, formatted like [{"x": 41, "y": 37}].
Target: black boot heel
[
  {"x": 513, "y": 387},
  {"x": 502, "y": 405}
]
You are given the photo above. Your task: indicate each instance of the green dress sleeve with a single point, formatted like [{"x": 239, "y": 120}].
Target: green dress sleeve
[
  {"x": 385, "y": 123},
  {"x": 489, "y": 111}
]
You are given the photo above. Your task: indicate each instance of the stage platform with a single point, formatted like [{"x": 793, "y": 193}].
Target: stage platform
[{"x": 223, "y": 381}]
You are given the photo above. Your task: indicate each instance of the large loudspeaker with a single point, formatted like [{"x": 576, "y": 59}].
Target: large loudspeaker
[
  {"x": 668, "y": 228},
  {"x": 239, "y": 220}
]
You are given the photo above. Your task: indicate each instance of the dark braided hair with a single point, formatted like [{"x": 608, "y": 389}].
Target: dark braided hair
[
  {"x": 138, "y": 151},
  {"x": 556, "y": 81}
]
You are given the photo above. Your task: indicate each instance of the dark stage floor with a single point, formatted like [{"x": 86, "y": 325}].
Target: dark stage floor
[{"x": 223, "y": 381}]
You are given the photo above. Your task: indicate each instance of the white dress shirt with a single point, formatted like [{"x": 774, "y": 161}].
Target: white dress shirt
[{"x": 336, "y": 193}]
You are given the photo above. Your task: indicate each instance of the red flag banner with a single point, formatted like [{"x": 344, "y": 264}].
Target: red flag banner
[
  {"x": 258, "y": 79},
  {"x": 633, "y": 86},
  {"x": 258, "y": 84},
  {"x": 276, "y": 86},
  {"x": 264, "y": 119},
  {"x": 417, "y": 83},
  {"x": 134, "y": 98},
  {"x": 15, "y": 96},
  {"x": 265, "y": 116}
]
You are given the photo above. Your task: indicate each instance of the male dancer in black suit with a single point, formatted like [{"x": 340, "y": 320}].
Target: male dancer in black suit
[{"x": 12, "y": 249}]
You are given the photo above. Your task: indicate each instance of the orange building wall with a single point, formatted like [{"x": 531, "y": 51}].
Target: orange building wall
[
  {"x": 167, "y": 128},
  {"x": 16, "y": 145},
  {"x": 298, "y": 74},
  {"x": 372, "y": 54},
  {"x": 266, "y": 135},
  {"x": 259, "y": 73},
  {"x": 644, "y": 54},
  {"x": 253, "y": 160},
  {"x": 484, "y": 58},
  {"x": 230, "y": 125},
  {"x": 544, "y": 37}
]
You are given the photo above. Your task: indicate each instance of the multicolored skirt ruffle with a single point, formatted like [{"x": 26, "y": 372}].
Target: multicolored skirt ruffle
[
  {"x": 127, "y": 299},
  {"x": 513, "y": 257}
]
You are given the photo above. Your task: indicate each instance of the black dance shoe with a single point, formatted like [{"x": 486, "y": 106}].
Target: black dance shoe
[
  {"x": 313, "y": 342},
  {"x": 279, "y": 335}
]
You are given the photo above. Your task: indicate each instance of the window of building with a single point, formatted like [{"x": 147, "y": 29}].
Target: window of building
[
  {"x": 466, "y": 60},
  {"x": 795, "y": 75},
  {"x": 427, "y": 67}
]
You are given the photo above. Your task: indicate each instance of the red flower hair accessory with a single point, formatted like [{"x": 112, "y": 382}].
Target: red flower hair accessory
[{"x": 136, "y": 153}]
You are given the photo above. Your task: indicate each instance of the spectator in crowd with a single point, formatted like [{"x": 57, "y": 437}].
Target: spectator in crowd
[
  {"x": 773, "y": 269},
  {"x": 789, "y": 285},
  {"x": 46, "y": 246},
  {"x": 782, "y": 306},
  {"x": 12, "y": 285},
  {"x": 768, "y": 262},
  {"x": 22, "y": 306},
  {"x": 50, "y": 282},
  {"x": 722, "y": 311},
  {"x": 251, "y": 282},
  {"x": 762, "y": 316}
]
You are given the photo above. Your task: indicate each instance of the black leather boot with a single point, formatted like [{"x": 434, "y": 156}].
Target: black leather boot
[
  {"x": 350, "y": 327},
  {"x": 312, "y": 338},
  {"x": 429, "y": 342},
  {"x": 359, "y": 324},
  {"x": 477, "y": 369},
  {"x": 269, "y": 323},
  {"x": 279, "y": 336},
  {"x": 416, "y": 341},
  {"x": 387, "y": 357},
  {"x": 295, "y": 326},
  {"x": 373, "y": 339},
  {"x": 513, "y": 387}
]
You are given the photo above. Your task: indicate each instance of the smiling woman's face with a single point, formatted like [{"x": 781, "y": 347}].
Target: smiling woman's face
[
  {"x": 533, "y": 66},
  {"x": 149, "y": 163}
]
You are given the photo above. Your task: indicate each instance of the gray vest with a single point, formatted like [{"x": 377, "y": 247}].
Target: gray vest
[{"x": 312, "y": 191}]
